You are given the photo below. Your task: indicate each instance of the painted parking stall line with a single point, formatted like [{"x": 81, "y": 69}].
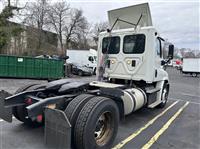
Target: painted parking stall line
[
  {"x": 191, "y": 95},
  {"x": 1, "y": 120},
  {"x": 192, "y": 102},
  {"x": 132, "y": 136},
  {"x": 164, "y": 128}
]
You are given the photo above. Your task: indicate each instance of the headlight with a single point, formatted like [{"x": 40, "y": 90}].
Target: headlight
[
  {"x": 128, "y": 62},
  {"x": 112, "y": 61}
]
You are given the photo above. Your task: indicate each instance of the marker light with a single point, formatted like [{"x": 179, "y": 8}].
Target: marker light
[
  {"x": 112, "y": 61},
  {"x": 128, "y": 62}
]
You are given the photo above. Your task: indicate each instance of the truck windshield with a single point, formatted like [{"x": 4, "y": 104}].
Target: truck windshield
[
  {"x": 111, "y": 45},
  {"x": 134, "y": 44}
]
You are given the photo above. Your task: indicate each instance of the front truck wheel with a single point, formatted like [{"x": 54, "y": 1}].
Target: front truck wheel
[
  {"x": 97, "y": 124},
  {"x": 164, "y": 95}
]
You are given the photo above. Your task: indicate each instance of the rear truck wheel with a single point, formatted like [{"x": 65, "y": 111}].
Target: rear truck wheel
[
  {"x": 97, "y": 124},
  {"x": 73, "y": 109},
  {"x": 164, "y": 96},
  {"x": 20, "y": 112},
  {"x": 23, "y": 117},
  {"x": 75, "y": 106},
  {"x": 21, "y": 89}
]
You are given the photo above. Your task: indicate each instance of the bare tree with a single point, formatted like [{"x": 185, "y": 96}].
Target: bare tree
[
  {"x": 36, "y": 16},
  {"x": 99, "y": 27},
  {"x": 76, "y": 28},
  {"x": 58, "y": 14}
]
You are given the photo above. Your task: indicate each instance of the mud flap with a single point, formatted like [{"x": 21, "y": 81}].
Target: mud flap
[
  {"x": 5, "y": 113},
  {"x": 57, "y": 129}
]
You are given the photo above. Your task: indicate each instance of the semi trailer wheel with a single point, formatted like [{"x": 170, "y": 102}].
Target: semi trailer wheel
[
  {"x": 97, "y": 124},
  {"x": 73, "y": 109},
  {"x": 164, "y": 96},
  {"x": 20, "y": 112}
]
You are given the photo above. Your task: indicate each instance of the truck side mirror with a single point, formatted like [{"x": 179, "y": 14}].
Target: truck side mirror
[{"x": 171, "y": 51}]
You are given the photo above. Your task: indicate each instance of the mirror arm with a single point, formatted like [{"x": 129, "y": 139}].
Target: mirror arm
[{"x": 166, "y": 61}]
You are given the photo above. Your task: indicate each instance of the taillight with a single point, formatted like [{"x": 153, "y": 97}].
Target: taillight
[
  {"x": 39, "y": 118},
  {"x": 28, "y": 101}
]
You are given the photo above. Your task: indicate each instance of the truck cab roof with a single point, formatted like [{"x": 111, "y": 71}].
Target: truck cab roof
[{"x": 128, "y": 31}]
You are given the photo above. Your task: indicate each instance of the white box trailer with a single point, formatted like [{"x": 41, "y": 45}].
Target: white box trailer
[
  {"x": 191, "y": 66},
  {"x": 83, "y": 58}
]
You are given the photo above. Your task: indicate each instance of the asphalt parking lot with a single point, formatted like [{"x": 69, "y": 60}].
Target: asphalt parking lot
[{"x": 175, "y": 126}]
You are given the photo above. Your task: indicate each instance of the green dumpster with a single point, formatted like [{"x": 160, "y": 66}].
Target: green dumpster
[{"x": 28, "y": 67}]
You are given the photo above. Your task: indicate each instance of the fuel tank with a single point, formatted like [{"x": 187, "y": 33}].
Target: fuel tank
[{"x": 133, "y": 99}]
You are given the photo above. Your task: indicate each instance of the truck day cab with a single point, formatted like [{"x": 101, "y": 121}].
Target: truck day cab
[{"x": 85, "y": 115}]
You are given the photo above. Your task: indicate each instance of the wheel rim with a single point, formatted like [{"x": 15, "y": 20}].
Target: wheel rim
[
  {"x": 194, "y": 74},
  {"x": 164, "y": 95},
  {"x": 103, "y": 129}
]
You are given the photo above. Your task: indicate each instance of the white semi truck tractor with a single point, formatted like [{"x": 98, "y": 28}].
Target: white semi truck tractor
[{"x": 86, "y": 115}]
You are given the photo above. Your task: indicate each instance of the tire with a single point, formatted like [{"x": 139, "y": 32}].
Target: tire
[
  {"x": 164, "y": 96},
  {"x": 75, "y": 106},
  {"x": 20, "y": 112},
  {"x": 194, "y": 74},
  {"x": 73, "y": 109},
  {"x": 97, "y": 124},
  {"x": 21, "y": 89},
  {"x": 80, "y": 73}
]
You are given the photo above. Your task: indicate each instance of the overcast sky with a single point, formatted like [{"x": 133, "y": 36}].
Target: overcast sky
[{"x": 176, "y": 20}]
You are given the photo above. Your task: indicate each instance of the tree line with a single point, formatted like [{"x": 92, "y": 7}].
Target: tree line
[{"x": 70, "y": 26}]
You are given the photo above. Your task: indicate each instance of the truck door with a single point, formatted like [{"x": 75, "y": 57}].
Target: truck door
[{"x": 158, "y": 59}]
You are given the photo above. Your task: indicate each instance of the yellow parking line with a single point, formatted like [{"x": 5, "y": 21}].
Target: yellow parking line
[
  {"x": 132, "y": 136},
  {"x": 1, "y": 120},
  {"x": 164, "y": 128}
]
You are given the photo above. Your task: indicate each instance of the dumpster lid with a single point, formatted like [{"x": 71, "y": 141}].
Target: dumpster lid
[{"x": 130, "y": 14}]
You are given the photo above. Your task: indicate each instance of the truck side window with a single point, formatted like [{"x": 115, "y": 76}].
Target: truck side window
[
  {"x": 158, "y": 47},
  {"x": 111, "y": 45},
  {"x": 134, "y": 44}
]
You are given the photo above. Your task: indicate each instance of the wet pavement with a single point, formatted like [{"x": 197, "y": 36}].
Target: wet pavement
[{"x": 175, "y": 126}]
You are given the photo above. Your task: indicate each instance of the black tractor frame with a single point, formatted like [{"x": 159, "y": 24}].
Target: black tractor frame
[{"x": 48, "y": 102}]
